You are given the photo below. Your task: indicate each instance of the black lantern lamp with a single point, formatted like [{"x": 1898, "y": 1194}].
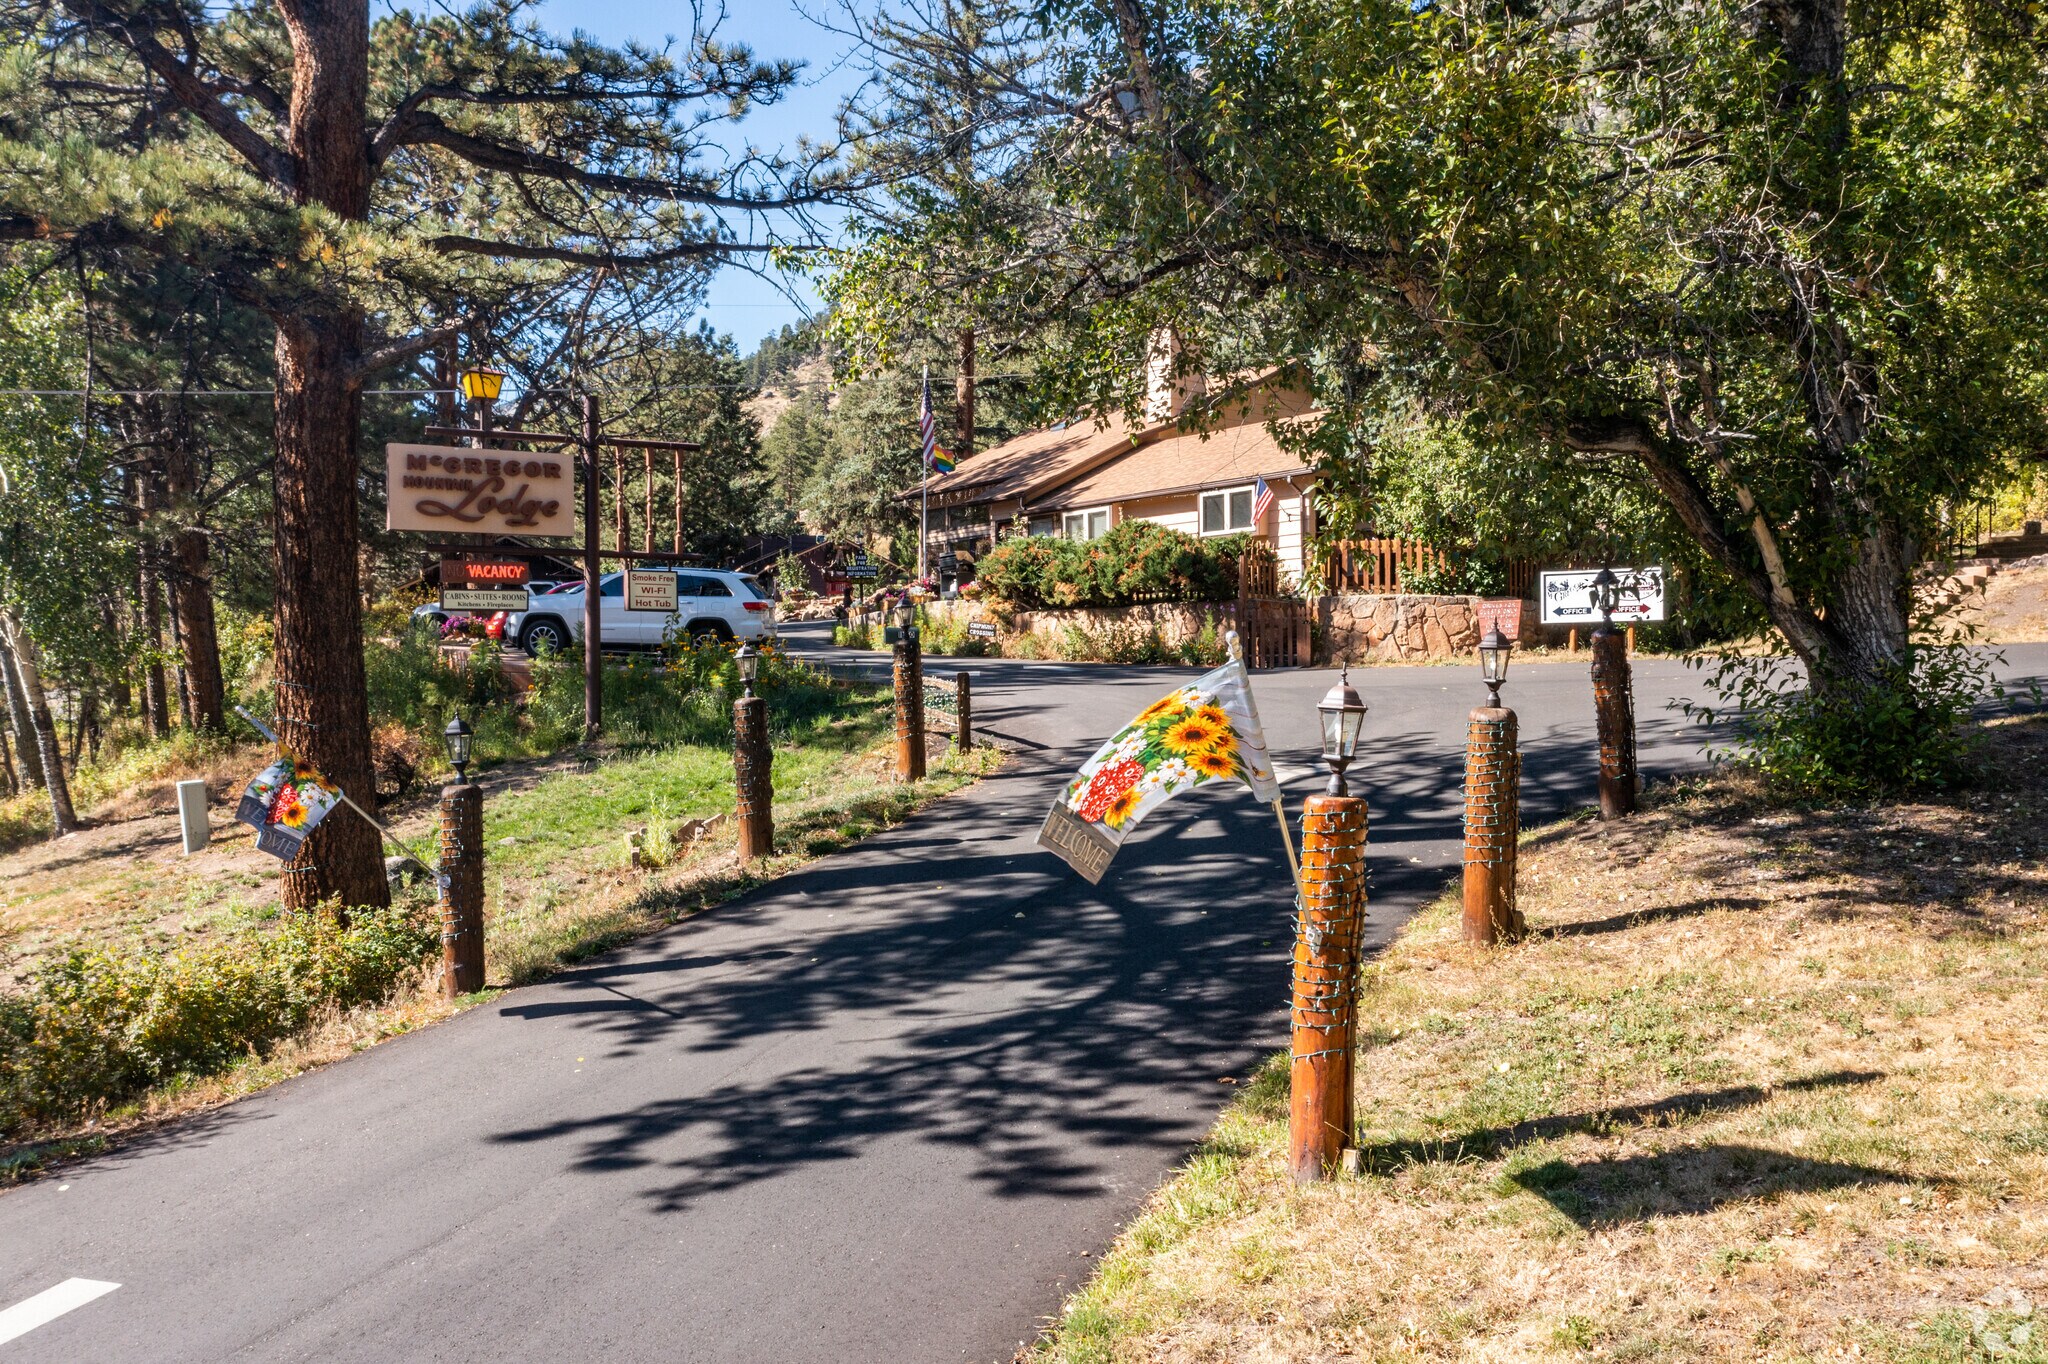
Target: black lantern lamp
[
  {"x": 1606, "y": 596},
  {"x": 457, "y": 737},
  {"x": 749, "y": 664},
  {"x": 483, "y": 384},
  {"x": 906, "y": 618},
  {"x": 1494, "y": 648},
  {"x": 1343, "y": 715}
]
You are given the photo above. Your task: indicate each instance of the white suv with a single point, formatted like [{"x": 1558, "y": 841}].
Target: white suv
[{"x": 708, "y": 602}]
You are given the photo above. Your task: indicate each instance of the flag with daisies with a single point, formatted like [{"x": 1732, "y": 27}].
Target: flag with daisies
[{"x": 1205, "y": 732}]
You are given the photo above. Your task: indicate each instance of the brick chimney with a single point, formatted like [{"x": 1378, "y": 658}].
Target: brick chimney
[{"x": 1169, "y": 384}]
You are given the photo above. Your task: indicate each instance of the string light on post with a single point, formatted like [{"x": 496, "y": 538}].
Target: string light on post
[
  {"x": 752, "y": 761},
  {"x": 1493, "y": 814},
  {"x": 909, "y": 677},
  {"x": 461, "y": 873},
  {"x": 1329, "y": 928}
]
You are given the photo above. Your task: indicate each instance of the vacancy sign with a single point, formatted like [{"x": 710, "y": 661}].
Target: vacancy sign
[
  {"x": 650, "y": 590},
  {"x": 1567, "y": 598},
  {"x": 448, "y": 487}
]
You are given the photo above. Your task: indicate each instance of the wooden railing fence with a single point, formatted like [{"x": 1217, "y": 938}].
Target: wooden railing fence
[{"x": 1378, "y": 564}]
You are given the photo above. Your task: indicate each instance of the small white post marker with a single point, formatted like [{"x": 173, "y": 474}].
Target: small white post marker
[{"x": 192, "y": 815}]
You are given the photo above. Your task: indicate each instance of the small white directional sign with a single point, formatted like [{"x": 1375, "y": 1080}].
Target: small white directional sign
[{"x": 1567, "y": 597}]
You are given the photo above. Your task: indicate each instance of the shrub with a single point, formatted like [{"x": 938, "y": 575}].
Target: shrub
[
  {"x": 1136, "y": 561},
  {"x": 95, "y": 1028},
  {"x": 1906, "y": 732}
]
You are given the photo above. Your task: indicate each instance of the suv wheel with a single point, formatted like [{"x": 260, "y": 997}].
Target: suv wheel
[
  {"x": 543, "y": 634},
  {"x": 717, "y": 629}
]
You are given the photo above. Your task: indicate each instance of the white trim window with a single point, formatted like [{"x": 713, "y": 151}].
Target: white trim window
[
  {"x": 1091, "y": 524},
  {"x": 1226, "y": 511}
]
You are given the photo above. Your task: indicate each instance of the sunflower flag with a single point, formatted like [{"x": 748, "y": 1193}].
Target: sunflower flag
[
  {"x": 284, "y": 803},
  {"x": 1208, "y": 731}
]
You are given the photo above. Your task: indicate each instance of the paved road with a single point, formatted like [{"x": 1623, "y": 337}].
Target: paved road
[{"x": 883, "y": 1110}]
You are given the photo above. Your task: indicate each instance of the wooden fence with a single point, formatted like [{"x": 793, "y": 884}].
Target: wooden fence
[
  {"x": 1382, "y": 565},
  {"x": 1379, "y": 564}
]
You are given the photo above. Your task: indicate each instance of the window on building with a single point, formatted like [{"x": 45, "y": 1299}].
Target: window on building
[
  {"x": 1226, "y": 511},
  {"x": 1085, "y": 525}
]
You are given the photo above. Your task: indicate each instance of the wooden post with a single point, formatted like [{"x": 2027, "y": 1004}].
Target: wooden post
[
  {"x": 752, "y": 762},
  {"x": 593, "y": 634},
  {"x": 462, "y": 889},
  {"x": 1614, "y": 710},
  {"x": 909, "y": 707},
  {"x": 675, "y": 492},
  {"x": 1493, "y": 771},
  {"x": 647, "y": 494},
  {"x": 963, "y": 732},
  {"x": 1326, "y": 951},
  {"x": 1571, "y": 641},
  {"x": 620, "y": 529}
]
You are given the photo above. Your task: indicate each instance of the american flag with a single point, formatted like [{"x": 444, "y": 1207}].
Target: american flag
[
  {"x": 1262, "y": 502},
  {"x": 927, "y": 425}
]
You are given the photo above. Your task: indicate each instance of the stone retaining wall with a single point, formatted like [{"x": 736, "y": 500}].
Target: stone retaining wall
[
  {"x": 1400, "y": 627},
  {"x": 1386, "y": 627}
]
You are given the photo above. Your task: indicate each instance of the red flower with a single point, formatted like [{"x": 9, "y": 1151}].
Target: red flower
[{"x": 1106, "y": 785}]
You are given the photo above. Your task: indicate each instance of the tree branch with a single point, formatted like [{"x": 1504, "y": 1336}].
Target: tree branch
[
  {"x": 478, "y": 246},
  {"x": 425, "y": 128}
]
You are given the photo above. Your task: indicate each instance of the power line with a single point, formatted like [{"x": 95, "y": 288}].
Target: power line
[{"x": 765, "y": 386}]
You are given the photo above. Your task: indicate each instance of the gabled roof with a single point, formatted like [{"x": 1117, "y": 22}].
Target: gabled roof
[
  {"x": 1033, "y": 466},
  {"x": 1030, "y": 463},
  {"x": 1183, "y": 463}
]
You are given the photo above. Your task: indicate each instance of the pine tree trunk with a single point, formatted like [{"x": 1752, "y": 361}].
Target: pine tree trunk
[
  {"x": 62, "y": 817},
  {"x": 7, "y": 764},
  {"x": 192, "y": 600},
  {"x": 322, "y": 710},
  {"x": 17, "y": 710},
  {"x": 146, "y": 494}
]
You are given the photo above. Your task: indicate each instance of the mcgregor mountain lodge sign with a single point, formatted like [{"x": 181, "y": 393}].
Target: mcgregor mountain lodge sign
[{"x": 448, "y": 487}]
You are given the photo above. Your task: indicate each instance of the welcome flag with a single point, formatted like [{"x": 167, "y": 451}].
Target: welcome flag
[
  {"x": 1207, "y": 731},
  {"x": 284, "y": 803}
]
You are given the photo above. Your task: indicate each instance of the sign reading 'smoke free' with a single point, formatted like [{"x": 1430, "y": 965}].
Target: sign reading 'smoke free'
[{"x": 447, "y": 487}]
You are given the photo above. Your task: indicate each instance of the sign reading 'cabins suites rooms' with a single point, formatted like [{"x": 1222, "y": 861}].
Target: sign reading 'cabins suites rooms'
[{"x": 446, "y": 487}]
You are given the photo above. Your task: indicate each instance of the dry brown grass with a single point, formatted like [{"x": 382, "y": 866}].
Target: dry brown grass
[{"x": 1767, "y": 1083}]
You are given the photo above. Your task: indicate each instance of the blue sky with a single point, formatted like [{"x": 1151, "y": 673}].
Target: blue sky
[{"x": 738, "y": 302}]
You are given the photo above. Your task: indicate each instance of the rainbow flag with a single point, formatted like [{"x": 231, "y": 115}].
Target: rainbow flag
[{"x": 942, "y": 460}]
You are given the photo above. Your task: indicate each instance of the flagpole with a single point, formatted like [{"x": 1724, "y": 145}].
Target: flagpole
[
  {"x": 924, "y": 488},
  {"x": 1251, "y": 703}
]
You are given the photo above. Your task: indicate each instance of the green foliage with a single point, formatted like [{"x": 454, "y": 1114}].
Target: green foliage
[
  {"x": 96, "y": 1028},
  {"x": 1135, "y": 562},
  {"x": 1908, "y": 732}
]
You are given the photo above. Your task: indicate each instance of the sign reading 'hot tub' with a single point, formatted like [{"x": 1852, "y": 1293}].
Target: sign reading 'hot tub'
[{"x": 446, "y": 487}]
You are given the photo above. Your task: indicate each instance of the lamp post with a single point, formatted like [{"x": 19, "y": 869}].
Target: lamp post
[
  {"x": 461, "y": 876},
  {"x": 909, "y": 674},
  {"x": 1493, "y": 816},
  {"x": 1614, "y": 707},
  {"x": 1328, "y": 929},
  {"x": 482, "y": 384},
  {"x": 752, "y": 761}
]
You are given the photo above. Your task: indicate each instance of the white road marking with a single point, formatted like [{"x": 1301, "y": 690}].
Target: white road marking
[{"x": 50, "y": 1304}]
